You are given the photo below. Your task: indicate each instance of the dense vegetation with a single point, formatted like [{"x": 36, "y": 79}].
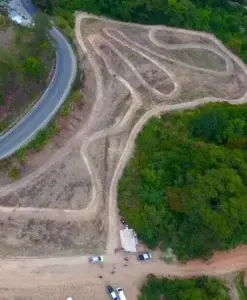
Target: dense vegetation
[
  {"x": 228, "y": 22},
  {"x": 201, "y": 288},
  {"x": 26, "y": 58},
  {"x": 242, "y": 289},
  {"x": 186, "y": 185}
]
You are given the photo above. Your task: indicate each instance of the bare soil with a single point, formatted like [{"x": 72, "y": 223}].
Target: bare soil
[
  {"x": 7, "y": 38},
  {"x": 48, "y": 237}
]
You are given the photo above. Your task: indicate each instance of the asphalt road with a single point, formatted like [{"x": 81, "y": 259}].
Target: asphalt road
[{"x": 51, "y": 100}]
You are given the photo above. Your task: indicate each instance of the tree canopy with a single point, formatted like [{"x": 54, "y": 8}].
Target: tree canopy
[
  {"x": 201, "y": 288},
  {"x": 186, "y": 186}
]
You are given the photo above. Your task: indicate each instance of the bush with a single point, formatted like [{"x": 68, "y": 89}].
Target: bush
[
  {"x": 15, "y": 173},
  {"x": 74, "y": 98},
  {"x": 2, "y": 126},
  {"x": 65, "y": 109},
  {"x": 21, "y": 154},
  {"x": 33, "y": 67},
  {"x": 64, "y": 25},
  {"x": 44, "y": 136}
]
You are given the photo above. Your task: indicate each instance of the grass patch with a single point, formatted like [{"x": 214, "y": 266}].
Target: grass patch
[
  {"x": 91, "y": 20},
  {"x": 69, "y": 105},
  {"x": 2, "y": 126},
  {"x": 4, "y": 21},
  {"x": 15, "y": 173},
  {"x": 242, "y": 289}
]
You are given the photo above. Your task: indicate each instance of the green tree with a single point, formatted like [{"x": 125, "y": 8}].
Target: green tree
[
  {"x": 33, "y": 67},
  {"x": 235, "y": 44}
]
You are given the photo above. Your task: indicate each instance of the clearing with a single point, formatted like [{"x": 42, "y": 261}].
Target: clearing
[{"x": 132, "y": 72}]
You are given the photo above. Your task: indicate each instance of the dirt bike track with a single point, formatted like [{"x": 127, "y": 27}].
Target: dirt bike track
[{"x": 28, "y": 273}]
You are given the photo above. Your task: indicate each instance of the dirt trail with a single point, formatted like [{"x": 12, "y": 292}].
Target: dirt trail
[{"x": 28, "y": 273}]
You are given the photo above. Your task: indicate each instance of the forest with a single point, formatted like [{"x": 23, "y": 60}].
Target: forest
[
  {"x": 201, "y": 288},
  {"x": 185, "y": 187},
  {"x": 220, "y": 17}
]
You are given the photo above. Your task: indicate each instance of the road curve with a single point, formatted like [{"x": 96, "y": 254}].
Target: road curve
[{"x": 52, "y": 99}]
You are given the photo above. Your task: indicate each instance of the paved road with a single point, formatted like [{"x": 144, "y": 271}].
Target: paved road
[{"x": 51, "y": 100}]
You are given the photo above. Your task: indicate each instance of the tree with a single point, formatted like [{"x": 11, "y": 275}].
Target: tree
[
  {"x": 235, "y": 44},
  {"x": 33, "y": 67},
  {"x": 42, "y": 26},
  {"x": 201, "y": 288}
]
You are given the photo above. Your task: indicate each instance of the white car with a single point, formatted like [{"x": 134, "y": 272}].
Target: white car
[
  {"x": 112, "y": 293},
  {"x": 144, "y": 256},
  {"x": 121, "y": 295},
  {"x": 96, "y": 259}
]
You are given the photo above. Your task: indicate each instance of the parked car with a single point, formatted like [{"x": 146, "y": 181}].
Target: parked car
[
  {"x": 112, "y": 293},
  {"x": 96, "y": 259},
  {"x": 69, "y": 298},
  {"x": 121, "y": 295},
  {"x": 144, "y": 256}
]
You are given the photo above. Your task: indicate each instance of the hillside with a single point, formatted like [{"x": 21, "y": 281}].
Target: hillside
[
  {"x": 185, "y": 188},
  {"x": 26, "y": 60}
]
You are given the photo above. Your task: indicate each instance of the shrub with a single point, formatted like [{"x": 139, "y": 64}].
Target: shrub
[
  {"x": 44, "y": 136},
  {"x": 15, "y": 173}
]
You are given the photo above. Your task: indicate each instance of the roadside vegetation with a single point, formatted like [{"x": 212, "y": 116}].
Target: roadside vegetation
[
  {"x": 226, "y": 21},
  {"x": 26, "y": 61},
  {"x": 242, "y": 289},
  {"x": 14, "y": 164},
  {"x": 185, "y": 187},
  {"x": 201, "y": 288}
]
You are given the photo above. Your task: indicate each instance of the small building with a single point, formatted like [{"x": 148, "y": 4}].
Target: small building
[{"x": 128, "y": 239}]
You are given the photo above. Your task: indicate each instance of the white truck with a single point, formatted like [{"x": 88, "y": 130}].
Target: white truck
[{"x": 121, "y": 295}]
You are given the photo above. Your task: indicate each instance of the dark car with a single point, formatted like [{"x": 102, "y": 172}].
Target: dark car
[
  {"x": 122, "y": 221},
  {"x": 112, "y": 293}
]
